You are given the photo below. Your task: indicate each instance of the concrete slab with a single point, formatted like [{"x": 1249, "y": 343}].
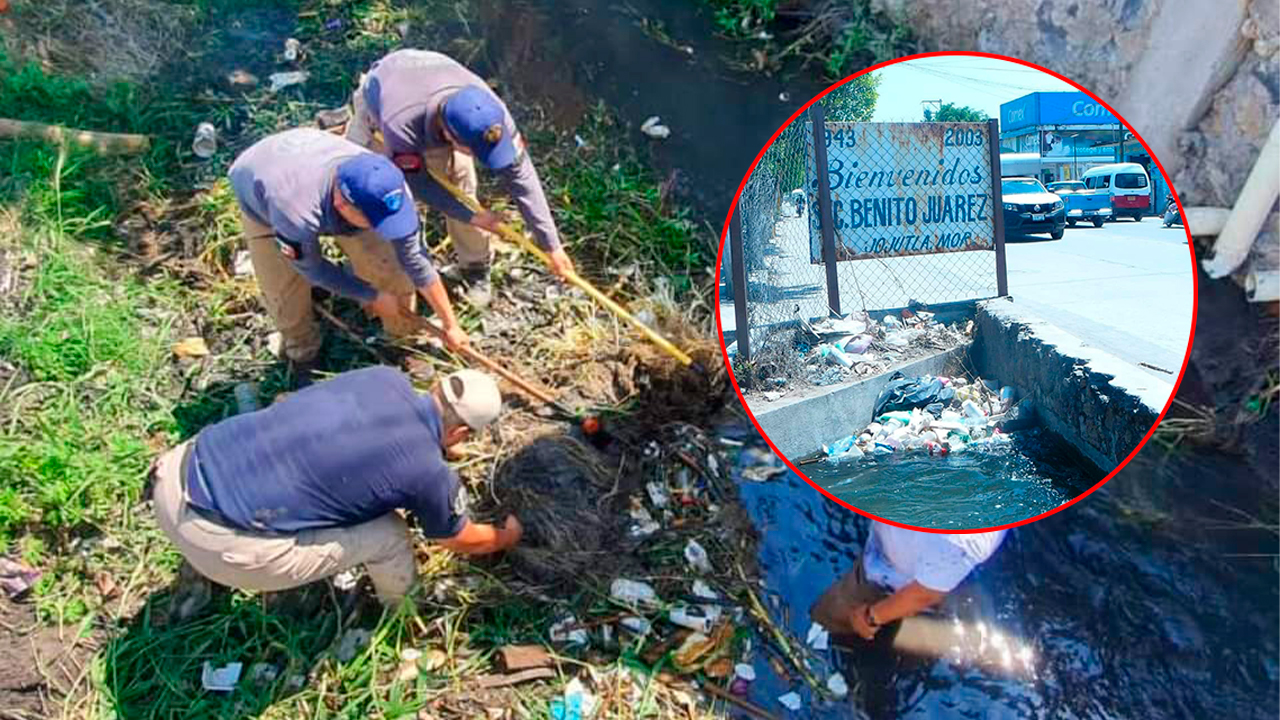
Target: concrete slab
[
  {"x": 800, "y": 425},
  {"x": 1097, "y": 402}
]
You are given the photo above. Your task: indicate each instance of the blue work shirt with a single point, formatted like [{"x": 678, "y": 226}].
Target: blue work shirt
[{"x": 338, "y": 453}]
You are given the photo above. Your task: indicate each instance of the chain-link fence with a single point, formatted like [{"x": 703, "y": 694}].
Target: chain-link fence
[{"x": 914, "y": 220}]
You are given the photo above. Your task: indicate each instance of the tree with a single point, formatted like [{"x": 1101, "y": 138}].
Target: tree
[
  {"x": 854, "y": 101},
  {"x": 950, "y": 112}
]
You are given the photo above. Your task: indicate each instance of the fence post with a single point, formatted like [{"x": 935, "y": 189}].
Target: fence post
[
  {"x": 997, "y": 197},
  {"x": 825, "y": 222},
  {"x": 742, "y": 331}
]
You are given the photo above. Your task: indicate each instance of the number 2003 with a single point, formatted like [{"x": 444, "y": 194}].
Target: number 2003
[{"x": 960, "y": 137}]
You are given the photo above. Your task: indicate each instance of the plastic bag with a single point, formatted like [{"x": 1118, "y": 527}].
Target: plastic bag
[{"x": 903, "y": 393}]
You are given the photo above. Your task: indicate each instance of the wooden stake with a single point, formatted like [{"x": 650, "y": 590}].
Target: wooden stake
[{"x": 103, "y": 143}]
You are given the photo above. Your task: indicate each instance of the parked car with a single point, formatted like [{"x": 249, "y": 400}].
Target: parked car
[
  {"x": 1128, "y": 185},
  {"x": 1082, "y": 203},
  {"x": 1030, "y": 208}
]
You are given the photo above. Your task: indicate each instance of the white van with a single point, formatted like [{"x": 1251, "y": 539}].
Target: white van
[{"x": 1129, "y": 185}]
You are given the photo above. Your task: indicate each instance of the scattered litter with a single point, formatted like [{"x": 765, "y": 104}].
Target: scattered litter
[
  {"x": 762, "y": 473},
  {"x": 704, "y": 591},
  {"x": 282, "y": 80},
  {"x": 292, "y": 50},
  {"x": 275, "y": 344},
  {"x": 819, "y": 638},
  {"x": 790, "y": 701},
  {"x": 191, "y": 347},
  {"x": 579, "y": 141},
  {"x": 577, "y": 703},
  {"x": 523, "y": 657},
  {"x": 352, "y": 642},
  {"x": 699, "y": 618},
  {"x": 744, "y": 671},
  {"x": 739, "y": 687},
  {"x": 634, "y": 593},
  {"x": 696, "y": 556},
  {"x": 205, "y": 142},
  {"x": 222, "y": 679},
  {"x": 637, "y": 625},
  {"x": 657, "y": 495},
  {"x": 263, "y": 673},
  {"x": 243, "y": 264},
  {"x": 346, "y": 580},
  {"x": 561, "y": 633},
  {"x": 772, "y": 395},
  {"x": 333, "y": 117},
  {"x": 837, "y": 685},
  {"x": 242, "y": 79},
  {"x": 410, "y": 654},
  {"x": 333, "y": 24},
  {"x": 643, "y": 525},
  {"x": 698, "y": 646},
  {"x": 654, "y": 128},
  {"x": 16, "y": 578}
]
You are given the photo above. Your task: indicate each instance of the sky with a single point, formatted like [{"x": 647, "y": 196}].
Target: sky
[{"x": 979, "y": 82}]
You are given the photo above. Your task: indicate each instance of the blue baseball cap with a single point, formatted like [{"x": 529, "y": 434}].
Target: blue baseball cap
[
  {"x": 375, "y": 186},
  {"x": 478, "y": 119}
]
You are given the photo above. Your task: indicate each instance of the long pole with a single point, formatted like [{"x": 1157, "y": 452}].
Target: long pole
[
  {"x": 997, "y": 198},
  {"x": 818, "y": 114},
  {"x": 738, "y": 264},
  {"x": 572, "y": 277}
]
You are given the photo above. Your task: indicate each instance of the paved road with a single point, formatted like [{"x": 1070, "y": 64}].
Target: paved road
[{"x": 1126, "y": 287}]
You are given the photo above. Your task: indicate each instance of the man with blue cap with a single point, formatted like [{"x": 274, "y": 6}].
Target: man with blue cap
[
  {"x": 428, "y": 112},
  {"x": 297, "y": 185}
]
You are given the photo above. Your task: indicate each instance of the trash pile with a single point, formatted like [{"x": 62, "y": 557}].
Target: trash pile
[
  {"x": 836, "y": 350},
  {"x": 938, "y": 416}
]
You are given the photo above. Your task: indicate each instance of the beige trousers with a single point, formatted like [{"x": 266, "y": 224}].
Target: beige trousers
[
  {"x": 470, "y": 243},
  {"x": 287, "y": 294},
  {"x": 256, "y": 561},
  {"x": 832, "y": 609}
]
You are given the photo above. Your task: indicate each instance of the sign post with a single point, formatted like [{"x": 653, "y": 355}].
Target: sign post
[
  {"x": 828, "y": 254},
  {"x": 738, "y": 266},
  {"x": 997, "y": 199}
]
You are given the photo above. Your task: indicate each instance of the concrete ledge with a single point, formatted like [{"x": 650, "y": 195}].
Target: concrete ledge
[
  {"x": 1097, "y": 402},
  {"x": 799, "y": 426}
]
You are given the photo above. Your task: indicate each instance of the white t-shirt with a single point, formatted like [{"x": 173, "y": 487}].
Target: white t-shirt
[{"x": 895, "y": 556}]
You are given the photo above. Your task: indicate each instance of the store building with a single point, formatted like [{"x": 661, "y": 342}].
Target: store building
[{"x": 1071, "y": 132}]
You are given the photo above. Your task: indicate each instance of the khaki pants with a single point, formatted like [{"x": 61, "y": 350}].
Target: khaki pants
[
  {"x": 470, "y": 243},
  {"x": 256, "y": 561},
  {"x": 287, "y": 294},
  {"x": 832, "y": 609}
]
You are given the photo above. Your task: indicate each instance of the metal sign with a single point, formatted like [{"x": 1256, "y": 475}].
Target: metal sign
[{"x": 905, "y": 189}]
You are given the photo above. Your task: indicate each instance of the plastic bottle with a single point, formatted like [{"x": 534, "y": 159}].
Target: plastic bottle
[
  {"x": 697, "y": 618},
  {"x": 205, "y": 143},
  {"x": 836, "y": 355},
  {"x": 972, "y": 410},
  {"x": 874, "y": 429},
  {"x": 1007, "y": 395},
  {"x": 891, "y": 321},
  {"x": 633, "y": 592},
  {"x": 839, "y": 447}
]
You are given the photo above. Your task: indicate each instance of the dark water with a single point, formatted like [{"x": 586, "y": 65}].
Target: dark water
[
  {"x": 1128, "y": 614},
  {"x": 978, "y": 488}
]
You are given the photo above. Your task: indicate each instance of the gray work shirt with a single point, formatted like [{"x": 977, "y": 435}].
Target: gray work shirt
[
  {"x": 404, "y": 91},
  {"x": 285, "y": 181}
]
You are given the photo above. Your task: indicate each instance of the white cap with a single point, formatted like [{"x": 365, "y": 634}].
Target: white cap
[{"x": 473, "y": 396}]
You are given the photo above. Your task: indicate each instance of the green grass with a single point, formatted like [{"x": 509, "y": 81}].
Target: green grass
[{"x": 95, "y": 391}]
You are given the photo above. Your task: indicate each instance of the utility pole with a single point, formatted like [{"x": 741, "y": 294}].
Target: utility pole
[{"x": 936, "y": 103}]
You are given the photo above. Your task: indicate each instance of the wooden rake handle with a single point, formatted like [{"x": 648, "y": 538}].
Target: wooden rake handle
[{"x": 509, "y": 233}]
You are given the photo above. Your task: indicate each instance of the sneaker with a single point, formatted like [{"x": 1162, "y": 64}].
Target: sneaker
[{"x": 479, "y": 291}]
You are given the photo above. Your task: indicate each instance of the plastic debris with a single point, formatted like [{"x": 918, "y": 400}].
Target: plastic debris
[
  {"x": 654, "y": 128},
  {"x": 352, "y": 642},
  {"x": 634, "y": 593},
  {"x": 642, "y": 523},
  {"x": 292, "y": 49},
  {"x": 243, "y": 264},
  {"x": 699, "y": 618},
  {"x": 16, "y": 578},
  {"x": 819, "y": 638},
  {"x": 790, "y": 701},
  {"x": 221, "y": 679},
  {"x": 762, "y": 473},
  {"x": 744, "y": 671},
  {"x": 282, "y": 80},
  {"x": 837, "y": 685},
  {"x": 275, "y": 344},
  {"x": 263, "y": 673},
  {"x": 772, "y": 395},
  {"x": 637, "y": 625},
  {"x": 704, "y": 591},
  {"x": 205, "y": 142},
  {"x": 657, "y": 495},
  {"x": 346, "y": 580},
  {"x": 565, "y": 631},
  {"x": 191, "y": 347},
  {"x": 577, "y": 702},
  {"x": 696, "y": 556}
]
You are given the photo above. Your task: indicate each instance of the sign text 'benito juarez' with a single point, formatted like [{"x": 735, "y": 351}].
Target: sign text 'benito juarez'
[{"x": 904, "y": 189}]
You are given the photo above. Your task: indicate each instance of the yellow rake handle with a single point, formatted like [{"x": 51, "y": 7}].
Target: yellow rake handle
[{"x": 510, "y": 234}]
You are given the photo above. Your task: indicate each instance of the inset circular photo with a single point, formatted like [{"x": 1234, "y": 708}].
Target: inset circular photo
[{"x": 955, "y": 292}]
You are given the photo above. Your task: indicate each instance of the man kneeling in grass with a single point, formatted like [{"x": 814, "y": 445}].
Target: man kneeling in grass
[{"x": 313, "y": 485}]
